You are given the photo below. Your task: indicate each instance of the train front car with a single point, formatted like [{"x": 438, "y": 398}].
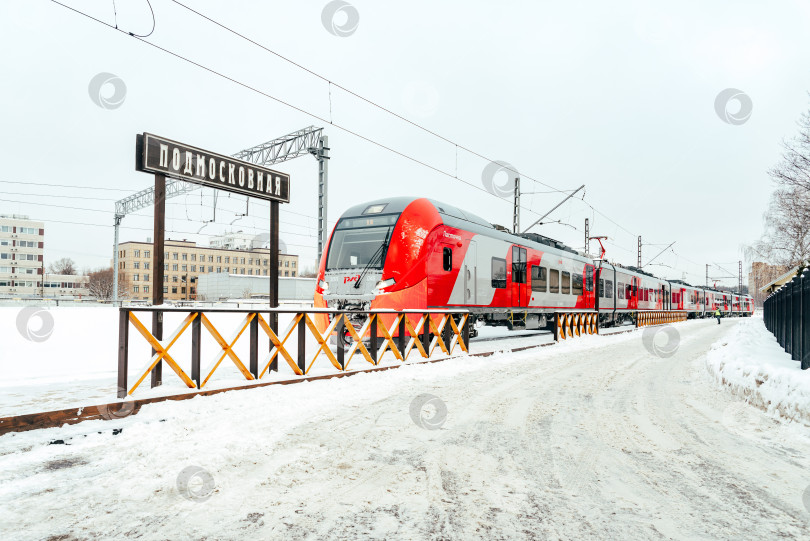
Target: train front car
[{"x": 377, "y": 257}]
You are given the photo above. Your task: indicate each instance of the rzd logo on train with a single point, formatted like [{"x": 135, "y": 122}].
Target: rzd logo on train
[{"x": 348, "y": 279}]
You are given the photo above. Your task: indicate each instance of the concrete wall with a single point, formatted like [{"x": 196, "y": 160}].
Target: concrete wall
[{"x": 212, "y": 287}]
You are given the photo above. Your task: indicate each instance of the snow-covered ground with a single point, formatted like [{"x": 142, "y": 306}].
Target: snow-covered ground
[
  {"x": 750, "y": 362},
  {"x": 619, "y": 437}
]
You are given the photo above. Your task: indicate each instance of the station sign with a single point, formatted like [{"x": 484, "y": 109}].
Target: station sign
[{"x": 159, "y": 155}]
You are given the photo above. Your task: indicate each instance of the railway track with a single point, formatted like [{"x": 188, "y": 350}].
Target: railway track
[{"x": 122, "y": 409}]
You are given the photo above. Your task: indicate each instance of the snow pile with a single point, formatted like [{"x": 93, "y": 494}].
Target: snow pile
[{"x": 751, "y": 363}]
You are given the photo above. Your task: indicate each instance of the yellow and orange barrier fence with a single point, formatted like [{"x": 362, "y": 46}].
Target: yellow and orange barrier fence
[
  {"x": 398, "y": 331},
  {"x": 659, "y": 317},
  {"x": 570, "y": 325}
]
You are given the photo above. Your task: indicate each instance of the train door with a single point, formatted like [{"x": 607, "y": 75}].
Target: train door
[
  {"x": 442, "y": 276},
  {"x": 664, "y": 298},
  {"x": 520, "y": 297},
  {"x": 469, "y": 271},
  {"x": 588, "y": 289}
]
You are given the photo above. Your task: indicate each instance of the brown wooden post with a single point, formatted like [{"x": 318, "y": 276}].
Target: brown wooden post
[
  {"x": 157, "y": 271},
  {"x": 123, "y": 351},
  {"x": 426, "y": 335},
  {"x": 302, "y": 343},
  {"x": 341, "y": 351},
  {"x": 465, "y": 333},
  {"x": 447, "y": 332},
  {"x": 196, "y": 336},
  {"x": 372, "y": 329},
  {"x": 401, "y": 341},
  {"x": 273, "y": 316},
  {"x": 254, "y": 346}
]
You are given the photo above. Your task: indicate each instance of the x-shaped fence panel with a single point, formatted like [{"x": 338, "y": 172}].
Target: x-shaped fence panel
[{"x": 372, "y": 338}]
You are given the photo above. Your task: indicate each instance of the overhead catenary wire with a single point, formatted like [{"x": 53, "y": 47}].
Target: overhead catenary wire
[
  {"x": 313, "y": 115},
  {"x": 386, "y": 110},
  {"x": 355, "y": 94},
  {"x": 292, "y": 106},
  {"x": 319, "y": 118}
]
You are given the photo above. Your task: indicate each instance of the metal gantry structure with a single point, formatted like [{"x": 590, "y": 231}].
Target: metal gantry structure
[{"x": 309, "y": 140}]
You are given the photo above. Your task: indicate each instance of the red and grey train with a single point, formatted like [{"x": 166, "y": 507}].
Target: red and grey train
[{"x": 417, "y": 253}]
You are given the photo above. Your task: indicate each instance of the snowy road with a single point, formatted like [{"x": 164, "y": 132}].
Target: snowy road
[{"x": 596, "y": 438}]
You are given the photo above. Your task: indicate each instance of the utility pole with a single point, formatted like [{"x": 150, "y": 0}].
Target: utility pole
[
  {"x": 118, "y": 218},
  {"x": 707, "y": 275},
  {"x": 587, "y": 237},
  {"x": 739, "y": 285},
  {"x": 516, "y": 208},
  {"x": 639, "y": 252},
  {"x": 321, "y": 154}
]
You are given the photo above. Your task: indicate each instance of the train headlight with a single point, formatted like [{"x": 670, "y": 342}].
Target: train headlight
[
  {"x": 385, "y": 283},
  {"x": 323, "y": 285}
]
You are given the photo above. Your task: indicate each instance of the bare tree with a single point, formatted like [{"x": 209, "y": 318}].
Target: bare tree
[
  {"x": 309, "y": 272},
  {"x": 794, "y": 169},
  {"x": 63, "y": 266},
  {"x": 786, "y": 239},
  {"x": 100, "y": 284}
]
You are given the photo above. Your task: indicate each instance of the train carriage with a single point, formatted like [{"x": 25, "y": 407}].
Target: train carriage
[{"x": 417, "y": 253}]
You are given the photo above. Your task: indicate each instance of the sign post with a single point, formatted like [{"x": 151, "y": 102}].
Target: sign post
[
  {"x": 157, "y": 272},
  {"x": 167, "y": 158},
  {"x": 274, "y": 210}
]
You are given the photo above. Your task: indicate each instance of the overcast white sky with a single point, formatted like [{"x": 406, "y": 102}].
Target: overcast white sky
[{"x": 619, "y": 96}]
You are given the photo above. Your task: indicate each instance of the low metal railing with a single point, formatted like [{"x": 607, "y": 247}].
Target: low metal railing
[
  {"x": 398, "y": 331},
  {"x": 786, "y": 313},
  {"x": 660, "y": 317}
]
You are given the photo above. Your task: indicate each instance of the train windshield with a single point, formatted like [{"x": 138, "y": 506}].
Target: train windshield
[{"x": 360, "y": 242}]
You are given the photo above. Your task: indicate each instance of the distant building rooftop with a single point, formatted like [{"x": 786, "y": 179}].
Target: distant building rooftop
[{"x": 785, "y": 278}]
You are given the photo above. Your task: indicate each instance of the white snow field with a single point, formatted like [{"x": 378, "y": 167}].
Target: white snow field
[
  {"x": 597, "y": 438},
  {"x": 752, "y": 364}
]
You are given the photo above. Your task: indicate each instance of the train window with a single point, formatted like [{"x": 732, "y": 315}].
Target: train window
[
  {"x": 628, "y": 291},
  {"x": 375, "y": 209},
  {"x": 620, "y": 289},
  {"x": 589, "y": 278},
  {"x": 498, "y": 273},
  {"x": 576, "y": 285},
  {"x": 602, "y": 287},
  {"x": 539, "y": 278},
  {"x": 447, "y": 258},
  {"x": 566, "y": 283},
  {"x": 355, "y": 244},
  {"x": 609, "y": 289},
  {"x": 554, "y": 281},
  {"x": 518, "y": 265}
]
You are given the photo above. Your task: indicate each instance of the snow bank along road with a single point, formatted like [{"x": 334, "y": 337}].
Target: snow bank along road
[{"x": 596, "y": 438}]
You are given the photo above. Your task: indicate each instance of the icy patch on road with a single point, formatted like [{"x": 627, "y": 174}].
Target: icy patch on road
[{"x": 751, "y": 364}]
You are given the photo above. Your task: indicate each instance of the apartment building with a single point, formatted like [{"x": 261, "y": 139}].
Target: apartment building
[
  {"x": 763, "y": 274},
  {"x": 65, "y": 285},
  {"x": 185, "y": 261},
  {"x": 21, "y": 247}
]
